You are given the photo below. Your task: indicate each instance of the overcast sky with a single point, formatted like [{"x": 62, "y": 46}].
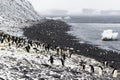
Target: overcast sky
[{"x": 74, "y": 6}]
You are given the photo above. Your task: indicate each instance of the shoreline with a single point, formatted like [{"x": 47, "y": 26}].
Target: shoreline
[{"x": 54, "y": 32}]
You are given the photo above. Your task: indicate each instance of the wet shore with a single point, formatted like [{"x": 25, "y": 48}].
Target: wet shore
[{"x": 55, "y": 33}]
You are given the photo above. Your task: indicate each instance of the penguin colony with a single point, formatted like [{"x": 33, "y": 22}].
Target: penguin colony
[{"x": 38, "y": 47}]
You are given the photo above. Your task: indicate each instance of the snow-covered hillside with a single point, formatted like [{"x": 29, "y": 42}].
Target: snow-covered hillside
[
  {"x": 17, "y": 10},
  {"x": 15, "y": 14}
]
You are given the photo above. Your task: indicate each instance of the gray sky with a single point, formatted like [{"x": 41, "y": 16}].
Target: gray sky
[{"x": 74, "y": 6}]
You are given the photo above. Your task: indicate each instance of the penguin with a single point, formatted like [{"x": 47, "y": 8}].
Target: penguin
[
  {"x": 8, "y": 39},
  {"x": 9, "y": 44},
  {"x": 2, "y": 40},
  {"x": 37, "y": 44},
  {"x": 63, "y": 56},
  {"x": 36, "y": 50},
  {"x": 105, "y": 64},
  {"x": 67, "y": 51},
  {"x": 114, "y": 73},
  {"x": 24, "y": 42},
  {"x": 30, "y": 42},
  {"x": 27, "y": 48},
  {"x": 87, "y": 68},
  {"x": 51, "y": 59},
  {"x": 61, "y": 51},
  {"x": 42, "y": 46},
  {"x": 57, "y": 49},
  {"x": 19, "y": 40},
  {"x": 71, "y": 52},
  {"x": 62, "y": 61},
  {"x": 25, "y": 72},
  {"x": 100, "y": 70},
  {"x": 19, "y": 45},
  {"x": 13, "y": 39},
  {"x": 47, "y": 47},
  {"x": 83, "y": 67},
  {"x": 92, "y": 68},
  {"x": 82, "y": 62}
]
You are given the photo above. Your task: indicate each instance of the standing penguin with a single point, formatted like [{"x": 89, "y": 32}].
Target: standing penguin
[
  {"x": 27, "y": 48},
  {"x": 63, "y": 56},
  {"x": 100, "y": 70},
  {"x": 57, "y": 49},
  {"x": 83, "y": 67},
  {"x": 2, "y": 40},
  {"x": 30, "y": 42},
  {"x": 92, "y": 68},
  {"x": 8, "y": 38},
  {"x": 71, "y": 52},
  {"x": 82, "y": 62},
  {"x": 105, "y": 64},
  {"x": 62, "y": 61},
  {"x": 114, "y": 73},
  {"x": 68, "y": 51},
  {"x": 51, "y": 59},
  {"x": 47, "y": 47},
  {"x": 9, "y": 44}
]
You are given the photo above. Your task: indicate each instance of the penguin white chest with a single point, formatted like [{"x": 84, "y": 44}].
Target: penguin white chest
[{"x": 115, "y": 74}]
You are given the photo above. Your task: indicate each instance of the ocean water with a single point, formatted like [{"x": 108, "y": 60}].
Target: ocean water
[{"x": 91, "y": 33}]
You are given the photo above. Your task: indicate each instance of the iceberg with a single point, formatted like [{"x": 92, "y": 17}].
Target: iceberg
[
  {"x": 109, "y": 35},
  {"x": 67, "y": 17}
]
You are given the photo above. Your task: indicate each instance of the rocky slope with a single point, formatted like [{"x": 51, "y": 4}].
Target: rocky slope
[{"x": 18, "y": 64}]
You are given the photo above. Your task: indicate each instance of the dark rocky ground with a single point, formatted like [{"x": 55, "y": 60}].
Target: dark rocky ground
[{"x": 55, "y": 33}]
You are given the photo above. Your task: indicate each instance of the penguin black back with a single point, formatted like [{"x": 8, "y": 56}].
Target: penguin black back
[{"x": 92, "y": 68}]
